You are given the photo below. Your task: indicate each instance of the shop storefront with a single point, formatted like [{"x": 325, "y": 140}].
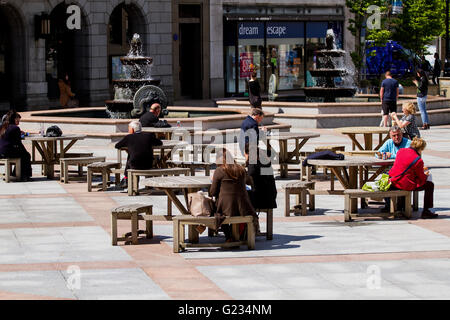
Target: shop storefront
[{"x": 284, "y": 48}]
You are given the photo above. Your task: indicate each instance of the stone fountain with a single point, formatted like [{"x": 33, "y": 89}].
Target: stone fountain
[
  {"x": 331, "y": 64},
  {"x": 135, "y": 94}
]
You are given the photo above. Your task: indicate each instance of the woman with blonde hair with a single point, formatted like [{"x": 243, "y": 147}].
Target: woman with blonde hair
[
  {"x": 408, "y": 122},
  {"x": 229, "y": 189},
  {"x": 409, "y": 173}
]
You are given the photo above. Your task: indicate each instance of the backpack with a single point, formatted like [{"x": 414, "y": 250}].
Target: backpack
[{"x": 53, "y": 131}]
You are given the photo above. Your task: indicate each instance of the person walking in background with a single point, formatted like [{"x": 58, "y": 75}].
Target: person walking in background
[
  {"x": 408, "y": 121},
  {"x": 65, "y": 92},
  {"x": 425, "y": 65},
  {"x": 388, "y": 95},
  {"x": 254, "y": 91},
  {"x": 421, "y": 82},
  {"x": 436, "y": 69}
]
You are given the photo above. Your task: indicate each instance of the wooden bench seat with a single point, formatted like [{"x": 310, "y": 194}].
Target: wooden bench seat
[
  {"x": 179, "y": 235},
  {"x": 133, "y": 212},
  {"x": 78, "y": 161},
  {"x": 134, "y": 174},
  {"x": 392, "y": 194},
  {"x": 104, "y": 169},
  {"x": 191, "y": 165},
  {"x": 8, "y": 163},
  {"x": 302, "y": 190}
]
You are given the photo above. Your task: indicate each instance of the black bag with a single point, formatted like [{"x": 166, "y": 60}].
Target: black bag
[
  {"x": 162, "y": 124},
  {"x": 53, "y": 131}
]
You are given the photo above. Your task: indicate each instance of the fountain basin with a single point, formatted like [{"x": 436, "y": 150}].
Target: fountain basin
[
  {"x": 95, "y": 123},
  {"x": 131, "y": 61},
  {"x": 362, "y": 110},
  {"x": 329, "y": 92}
]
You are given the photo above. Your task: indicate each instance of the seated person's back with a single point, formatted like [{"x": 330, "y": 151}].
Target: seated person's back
[{"x": 139, "y": 146}]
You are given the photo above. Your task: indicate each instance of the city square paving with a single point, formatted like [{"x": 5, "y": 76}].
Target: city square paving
[{"x": 51, "y": 231}]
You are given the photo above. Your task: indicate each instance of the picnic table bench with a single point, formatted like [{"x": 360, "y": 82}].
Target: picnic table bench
[
  {"x": 8, "y": 163},
  {"x": 350, "y": 194},
  {"x": 179, "y": 235},
  {"x": 78, "y": 161}
]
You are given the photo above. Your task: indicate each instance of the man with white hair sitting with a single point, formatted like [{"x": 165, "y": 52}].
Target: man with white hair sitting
[{"x": 139, "y": 146}]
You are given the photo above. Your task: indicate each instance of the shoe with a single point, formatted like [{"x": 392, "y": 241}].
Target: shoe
[
  {"x": 425, "y": 126},
  {"x": 427, "y": 214},
  {"x": 124, "y": 183}
]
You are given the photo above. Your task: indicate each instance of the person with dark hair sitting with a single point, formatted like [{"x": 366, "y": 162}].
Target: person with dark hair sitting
[
  {"x": 11, "y": 144},
  {"x": 228, "y": 187}
]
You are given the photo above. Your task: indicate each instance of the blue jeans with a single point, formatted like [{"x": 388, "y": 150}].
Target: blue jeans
[{"x": 422, "y": 104}]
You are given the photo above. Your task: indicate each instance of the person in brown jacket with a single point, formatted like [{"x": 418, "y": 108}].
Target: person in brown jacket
[
  {"x": 228, "y": 187},
  {"x": 65, "y": 91}
]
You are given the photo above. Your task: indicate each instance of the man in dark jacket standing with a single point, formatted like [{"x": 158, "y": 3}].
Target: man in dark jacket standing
[
  {"x": 149, "y": 119},
  {"x": 264, "y": 193},
  {"x": 249, "y": 138},
  {"x": 139, "y": 146}
]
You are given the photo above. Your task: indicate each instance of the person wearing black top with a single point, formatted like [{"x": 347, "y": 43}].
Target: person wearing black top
[
  {"x": 149, "y": 119},
  {"x": 436, "y": 69},
  {"x": 11, "y": 144},
  {"x": 254, "y": 91},
  {"x": 139, "y": 146},
  {"x": 422, "y": 91}
]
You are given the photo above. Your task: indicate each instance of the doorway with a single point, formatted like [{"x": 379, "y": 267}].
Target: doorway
[
  {"x": 190, "y": 51},
  {"x": 67, "y": 52},
  {"x": 5, "y": 63}
]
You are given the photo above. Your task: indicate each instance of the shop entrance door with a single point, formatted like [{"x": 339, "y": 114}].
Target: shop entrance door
[
  {"x": 191, "y": 60},
  {"x": 5, "y": 63}
]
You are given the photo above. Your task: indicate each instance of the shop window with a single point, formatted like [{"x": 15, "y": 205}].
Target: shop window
[
  {"x": 251, "y": 53},
  {"x": 285, "y": 53}
]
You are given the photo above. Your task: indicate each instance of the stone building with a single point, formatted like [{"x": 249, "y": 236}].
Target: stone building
[{"x": 201, "y": 49}]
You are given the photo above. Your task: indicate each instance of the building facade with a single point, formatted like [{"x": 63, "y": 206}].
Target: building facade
[{"x": 201, "y": 49}]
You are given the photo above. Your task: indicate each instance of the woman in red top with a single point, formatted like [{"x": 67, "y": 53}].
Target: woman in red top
[{"x": 416, "y": 176}]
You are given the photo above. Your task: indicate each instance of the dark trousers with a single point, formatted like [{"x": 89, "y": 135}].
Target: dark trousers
[{"x": 428, "y": 187}]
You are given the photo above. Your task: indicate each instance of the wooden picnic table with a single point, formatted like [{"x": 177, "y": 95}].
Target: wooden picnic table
[
  {"x": 286, "y": 157},
  {"x": 368, "y": 133},
  {"x": 51, "y": 150},
  {"x": 186, "y": 183},
  {"x": 347, "y": 172},
  {"x": 169, "y": 132}
]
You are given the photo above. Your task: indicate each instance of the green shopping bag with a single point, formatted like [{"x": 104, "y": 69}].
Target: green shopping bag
[{"x": 383, "y": 184}]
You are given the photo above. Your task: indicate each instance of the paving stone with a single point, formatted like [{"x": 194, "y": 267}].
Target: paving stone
[
  {"x": 105, "y": 284},
  {"x": 71, "y": 244},
  {"x": 47, "y": 210}
]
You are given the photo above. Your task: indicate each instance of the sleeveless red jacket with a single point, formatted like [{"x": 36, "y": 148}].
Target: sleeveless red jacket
[{"x": 414, "y": 177}]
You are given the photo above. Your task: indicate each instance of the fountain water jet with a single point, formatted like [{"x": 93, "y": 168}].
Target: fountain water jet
[
  {"x": 331, "y": 64},
  {"x": 138, "y": 71}
]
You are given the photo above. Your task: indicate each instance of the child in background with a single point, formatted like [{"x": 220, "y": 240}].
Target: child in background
[{"x": 408, "y": 121}]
